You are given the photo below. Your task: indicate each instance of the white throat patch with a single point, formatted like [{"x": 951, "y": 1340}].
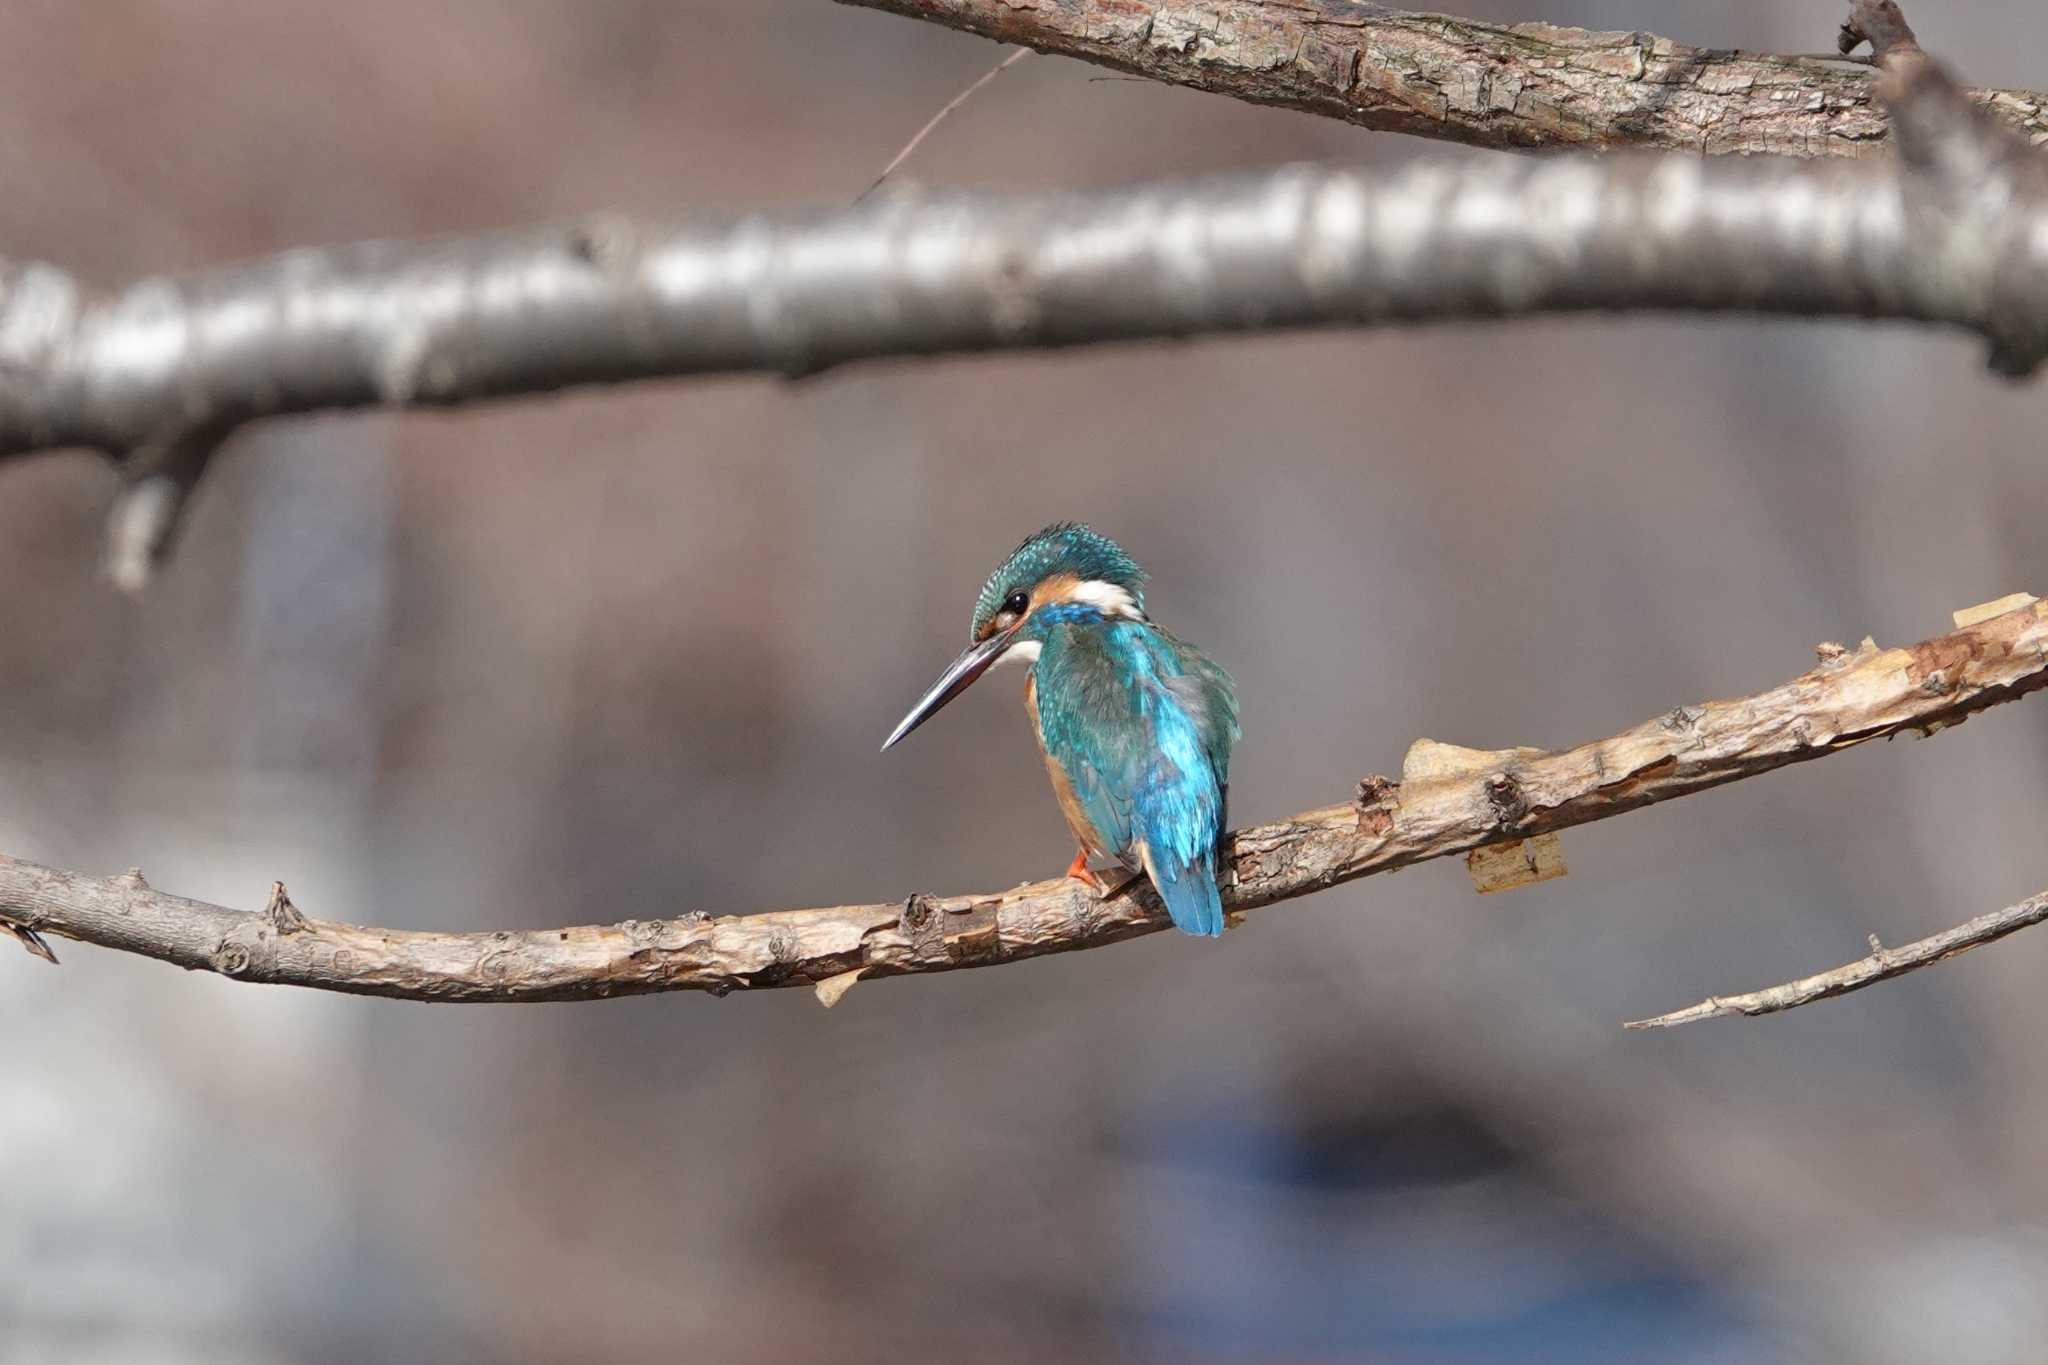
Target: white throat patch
[{"x": 1023, "y": 652}]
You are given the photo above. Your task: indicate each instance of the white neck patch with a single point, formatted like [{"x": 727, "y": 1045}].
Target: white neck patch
[{"x": 1107, "y": 598}]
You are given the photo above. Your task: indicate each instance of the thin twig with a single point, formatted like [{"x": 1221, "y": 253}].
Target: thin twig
[
  {"x": 965, "y": 95},
  {"x": 1847, "y": 700},
  {"x": 1881, "y": 965}
]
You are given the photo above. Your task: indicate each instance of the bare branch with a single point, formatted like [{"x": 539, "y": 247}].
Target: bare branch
[
  {"x": 1490, "y": 85},
  {"x": 1847, "y": 700},
  {"x": 1882, "y": 965},
  {"x": 1947, "y": 238},
  {"x": 450, "y": 322}
]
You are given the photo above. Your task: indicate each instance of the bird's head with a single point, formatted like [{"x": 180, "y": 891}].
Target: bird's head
[{"x": 1065, "y": 573}]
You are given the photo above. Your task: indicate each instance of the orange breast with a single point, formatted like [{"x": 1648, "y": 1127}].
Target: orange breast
[{"x": 1062, "y": 786}]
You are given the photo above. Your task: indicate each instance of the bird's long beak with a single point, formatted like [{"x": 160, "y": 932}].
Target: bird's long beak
[{"x": 976, "y": 660}]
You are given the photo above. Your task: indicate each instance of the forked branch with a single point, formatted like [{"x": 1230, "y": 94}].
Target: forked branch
[{"x": 159, "y": 374}]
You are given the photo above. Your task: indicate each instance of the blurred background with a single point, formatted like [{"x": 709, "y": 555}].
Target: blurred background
[{"x": 630, "y": 653}]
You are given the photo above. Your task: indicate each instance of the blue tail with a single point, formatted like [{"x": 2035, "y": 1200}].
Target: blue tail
[{"x": 1191, "y": 898}]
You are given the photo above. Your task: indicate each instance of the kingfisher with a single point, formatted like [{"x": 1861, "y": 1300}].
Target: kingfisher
[{"x": 1135, "y": 726}]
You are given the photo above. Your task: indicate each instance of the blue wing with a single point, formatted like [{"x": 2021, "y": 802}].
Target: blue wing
[
  {"x": 1179, "y": 810},
  {"x": 1141, "y": 726}
]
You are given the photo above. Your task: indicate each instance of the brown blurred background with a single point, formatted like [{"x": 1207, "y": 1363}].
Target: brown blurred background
[{"x": 629, "y": 653}]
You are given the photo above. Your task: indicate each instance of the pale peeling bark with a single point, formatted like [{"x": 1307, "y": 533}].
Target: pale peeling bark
[
  {"x": 1519, "y": 86},
  {"x": 1847, "y": 700}
]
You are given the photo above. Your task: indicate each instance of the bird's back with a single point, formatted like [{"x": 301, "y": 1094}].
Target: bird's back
[{"x": 1138, "y": 728}]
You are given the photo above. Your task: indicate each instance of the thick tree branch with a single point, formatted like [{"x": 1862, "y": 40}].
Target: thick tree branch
[
  {"x": 159, "y": 374},
  {"x": 1848, "y": 700},
  {"x": 1882, "y": 965},
  {"x": 1490, "y": 85},
  {"x": 438, "y": 323}
]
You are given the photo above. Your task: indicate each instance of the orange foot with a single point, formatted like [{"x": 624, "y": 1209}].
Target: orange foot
[{"x": 1082, "y": 873}]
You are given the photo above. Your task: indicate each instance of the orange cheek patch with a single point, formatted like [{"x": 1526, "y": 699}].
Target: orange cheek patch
[{"x": 1058, "y": 588}]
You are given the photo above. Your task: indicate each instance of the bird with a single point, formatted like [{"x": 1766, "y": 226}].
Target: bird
[{"x": 1136, "y": 726}]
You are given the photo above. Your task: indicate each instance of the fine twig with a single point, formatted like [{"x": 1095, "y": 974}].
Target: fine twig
[
  {"x": 936, "y": 119},
  {"x": 1848, "y": 700},
  {"x": 1519, "y": 86},
  {"x": 1881, "y": 965}
]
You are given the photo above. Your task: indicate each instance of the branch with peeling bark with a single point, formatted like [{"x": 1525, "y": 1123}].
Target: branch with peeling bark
[
  {"x": 1507, "y": 86},
  {"x": 160, "y": 374},
  {"x": 1438, "y": 810}
]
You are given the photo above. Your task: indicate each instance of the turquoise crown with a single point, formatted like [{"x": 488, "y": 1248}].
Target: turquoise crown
[{"x": 1065, "y": 547}]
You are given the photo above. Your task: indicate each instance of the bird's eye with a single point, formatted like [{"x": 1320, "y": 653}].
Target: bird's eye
[{"x": 1015, "y": 603}]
